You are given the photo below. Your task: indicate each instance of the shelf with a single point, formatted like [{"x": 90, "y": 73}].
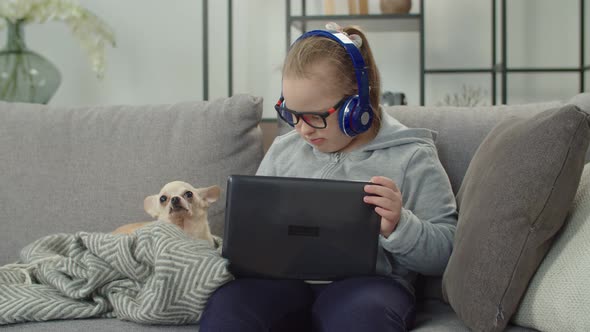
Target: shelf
[
  {"x": 544, "y": 70},
  {"x": 458, "y": 71},
  {"x": 369, "y": 23},
  {"x": 499, "y": 70}
]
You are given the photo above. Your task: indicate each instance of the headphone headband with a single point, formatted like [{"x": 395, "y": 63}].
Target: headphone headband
[
  {"x": 356, "y": 113},
  {"x": 358, "y": 63}
]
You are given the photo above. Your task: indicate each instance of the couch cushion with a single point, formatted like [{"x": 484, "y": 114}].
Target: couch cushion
[
  {"x": 461, "y": 129},
  {"x": 95, "y": 325},
  {"x": 68, "y": 169},
  {"x": 558, "y": 296},
  {"x": 513, "y": 199},
  {"x": 436, "y": 316}
]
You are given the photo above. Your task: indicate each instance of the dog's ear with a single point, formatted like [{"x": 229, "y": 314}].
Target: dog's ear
[
  {"x": 151, "y": 205},
  {"x": 210, "y": 194}
]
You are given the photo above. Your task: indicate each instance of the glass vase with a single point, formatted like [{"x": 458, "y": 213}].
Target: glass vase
[{"x": 25, "y": 76}]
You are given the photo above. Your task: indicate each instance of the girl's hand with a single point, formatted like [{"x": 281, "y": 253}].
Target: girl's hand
[{"x": 387, "y": 200}]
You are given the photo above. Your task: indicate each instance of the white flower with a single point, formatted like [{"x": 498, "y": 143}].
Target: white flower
[{"x": 91, "y": 31}]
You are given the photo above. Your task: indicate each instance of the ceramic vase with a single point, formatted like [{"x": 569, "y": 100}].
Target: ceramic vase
[
  {"x": 395, "y": 6},
  {"x": 25, "y": 76}
]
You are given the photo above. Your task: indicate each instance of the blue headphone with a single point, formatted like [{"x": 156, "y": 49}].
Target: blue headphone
[{"x": 356, "y": 113}]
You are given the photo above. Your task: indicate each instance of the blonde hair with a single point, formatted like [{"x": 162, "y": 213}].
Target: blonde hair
[{"x": 314, "y": 49}]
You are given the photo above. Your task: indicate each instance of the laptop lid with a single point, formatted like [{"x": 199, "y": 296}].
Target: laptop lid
[{"x": 298, "y": 228}]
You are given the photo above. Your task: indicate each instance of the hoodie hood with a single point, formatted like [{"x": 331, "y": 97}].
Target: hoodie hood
[{"x": 393, "y": 133}]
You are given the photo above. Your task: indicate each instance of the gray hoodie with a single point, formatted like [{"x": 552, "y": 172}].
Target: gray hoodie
[{"x": 423, "y": 239}]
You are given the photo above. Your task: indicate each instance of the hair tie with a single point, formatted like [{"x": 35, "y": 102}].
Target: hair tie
[{"x": 356, "y": 39}]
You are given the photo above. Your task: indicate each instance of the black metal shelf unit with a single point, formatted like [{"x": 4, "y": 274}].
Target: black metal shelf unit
[
  {"x": 492, "y": 70},
  {"x": 205, "y": 41},
  {"x": 415, "y": 22},
  {"x": 505, "y": 69}
]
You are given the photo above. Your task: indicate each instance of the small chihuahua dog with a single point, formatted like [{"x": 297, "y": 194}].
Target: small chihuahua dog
[{"x": 181, "y": 204}]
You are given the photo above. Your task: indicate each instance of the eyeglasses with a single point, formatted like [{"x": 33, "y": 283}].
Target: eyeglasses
[{"x": 313, "y": 119}]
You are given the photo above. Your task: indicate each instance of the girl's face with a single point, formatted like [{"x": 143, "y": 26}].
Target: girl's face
[{"x": 315, "y": 94}]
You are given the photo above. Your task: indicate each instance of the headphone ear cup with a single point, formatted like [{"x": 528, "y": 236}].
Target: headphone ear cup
[
  {"x": 344, "y": 115},
  {"x": 362, "y": 118},
  {"x": 353, "y": 118}
]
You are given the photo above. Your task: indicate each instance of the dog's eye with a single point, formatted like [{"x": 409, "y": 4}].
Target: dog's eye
[
  {"x": 188, "y": 194},
  {"x": 163, "y": 198}
]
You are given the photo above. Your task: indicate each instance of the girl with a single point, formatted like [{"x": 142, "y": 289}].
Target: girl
[{"x": 331, "y": 97}]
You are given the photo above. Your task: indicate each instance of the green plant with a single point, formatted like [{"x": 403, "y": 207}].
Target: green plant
[
  {"x": 92, "y": 33},
  {"x": 468, "y": 97}
]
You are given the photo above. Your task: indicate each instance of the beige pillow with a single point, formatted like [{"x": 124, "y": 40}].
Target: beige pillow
[
  {"x": 514, "y": 198},
  {"x": 558, "y": 297}
]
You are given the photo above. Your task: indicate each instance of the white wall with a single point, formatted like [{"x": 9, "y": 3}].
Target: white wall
[{"x": 158, "y": 56}]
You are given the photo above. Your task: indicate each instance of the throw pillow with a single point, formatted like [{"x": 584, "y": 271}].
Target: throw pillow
[
  {"x": 513, "y": 199},
  {"x": 558, "y": 296}
]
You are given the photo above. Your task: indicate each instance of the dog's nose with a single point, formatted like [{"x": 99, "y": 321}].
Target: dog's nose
[{"x": 175, "y": 200}]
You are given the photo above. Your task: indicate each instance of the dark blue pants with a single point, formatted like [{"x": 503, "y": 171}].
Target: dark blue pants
[{"x": 356, "y": 304}]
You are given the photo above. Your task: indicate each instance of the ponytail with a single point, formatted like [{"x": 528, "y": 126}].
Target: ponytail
[{"x": 372, "y": 71}]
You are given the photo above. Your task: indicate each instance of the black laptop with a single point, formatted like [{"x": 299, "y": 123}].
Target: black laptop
[{"x": 297, "y": 228}]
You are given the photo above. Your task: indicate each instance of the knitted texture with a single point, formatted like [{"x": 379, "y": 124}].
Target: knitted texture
[
  {"x": 558, "y": 296},
  {"x": 157, "y": 275}
]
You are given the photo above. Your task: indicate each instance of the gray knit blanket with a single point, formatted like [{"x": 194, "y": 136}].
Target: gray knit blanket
[{"x": 155, "y": 276}]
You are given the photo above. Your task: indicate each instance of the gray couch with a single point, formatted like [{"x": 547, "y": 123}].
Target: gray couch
[{"x": 89, "y": 169}]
